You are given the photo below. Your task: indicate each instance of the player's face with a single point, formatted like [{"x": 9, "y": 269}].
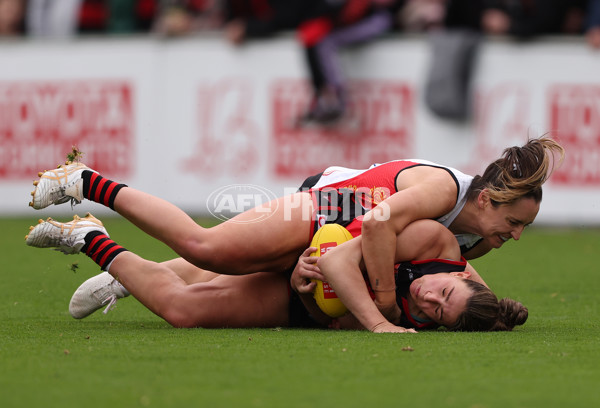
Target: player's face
[
  {"x": 442, "y": 297},
  {"x": 506, "y": 221}
]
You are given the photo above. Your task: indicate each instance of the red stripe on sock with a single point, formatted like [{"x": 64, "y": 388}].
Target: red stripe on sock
[
  {"x": 93, "y": 243},
  {"x": 93, "y": 178},
  {"x": 100, "y": 248},
  {"x": 108, "y": 253},
  {"x": 99, "y": 190},
  {"x": 108, "y": 192}
]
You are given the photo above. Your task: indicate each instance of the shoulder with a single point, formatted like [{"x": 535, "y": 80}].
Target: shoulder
[
  {"x": 429, "y": 239},
  {"x": 429, "y": 228},
  {"x": 428, "y": 188},
  {"x": 426, "y": 174}
]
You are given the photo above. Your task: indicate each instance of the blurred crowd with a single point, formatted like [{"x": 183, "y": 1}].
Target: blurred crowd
[
  {"x": 245, "y": 19},
  {"x": 321, "y": 26}
]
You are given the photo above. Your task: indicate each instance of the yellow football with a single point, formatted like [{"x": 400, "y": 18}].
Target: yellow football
[{"x": 327, "y": 237}]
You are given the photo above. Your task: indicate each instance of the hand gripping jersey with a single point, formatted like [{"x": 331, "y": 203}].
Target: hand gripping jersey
[
  {"x": 343, "y": 195},
  {"x": 407, "y": 272}
]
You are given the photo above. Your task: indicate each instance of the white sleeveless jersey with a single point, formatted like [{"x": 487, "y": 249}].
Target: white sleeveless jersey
[{"x": 383, "y": 176}]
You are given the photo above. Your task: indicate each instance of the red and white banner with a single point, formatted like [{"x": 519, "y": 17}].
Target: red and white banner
[
  {"x": 40, "y": 122},
  {"x": 378, "y": 127},
  {"x": 184, "y": 119},
  {"x": 574, "y": 113}
]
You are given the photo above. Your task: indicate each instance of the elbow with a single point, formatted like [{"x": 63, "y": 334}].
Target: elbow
[
  {"x": 328, "y": 264},
  {"x": 335, "y": 263},
  {"x": 374, "y": 225},
  {"x": 323, "y": 263}
]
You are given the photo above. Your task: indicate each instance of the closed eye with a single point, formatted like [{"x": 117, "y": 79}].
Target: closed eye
[
  {"x": 439, "y": 308},
  {"x": 447, "y": 300}
]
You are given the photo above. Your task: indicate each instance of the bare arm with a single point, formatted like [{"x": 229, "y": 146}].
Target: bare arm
[
  {"x": 428, "y": 239},
  {"x": 341, "y": 268},
  {"x": 424, "y": 193}
]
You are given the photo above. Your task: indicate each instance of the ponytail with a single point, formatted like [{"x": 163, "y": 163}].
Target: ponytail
[
  {"x": 520, "y": 172},
  {"x": 512, "y": 313},
  {"x": 485, "y": 313}
]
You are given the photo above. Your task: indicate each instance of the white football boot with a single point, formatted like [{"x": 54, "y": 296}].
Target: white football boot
[
  {"x": 59, "y": 186},
  {"x": 67, "y": 237},
  {"x": 95, "y": 293}
]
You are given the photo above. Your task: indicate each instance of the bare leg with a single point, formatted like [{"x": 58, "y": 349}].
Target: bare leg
[
  {"x": 188, "y": 272},
  {"x": 237, "y": 246},
  {"x": 257, "y": 300}
]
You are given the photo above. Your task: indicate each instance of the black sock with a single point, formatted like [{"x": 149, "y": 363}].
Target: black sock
[
  {"x": 101, "y": 248},
  {"x": 100, "y": 189}
]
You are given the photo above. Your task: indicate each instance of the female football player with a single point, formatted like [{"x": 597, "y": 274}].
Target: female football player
[
  {"x": 188, "y": 296},
  {"x": 483, "y": 212}
]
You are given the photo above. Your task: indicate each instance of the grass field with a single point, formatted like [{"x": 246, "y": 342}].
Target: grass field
[{"x": 131, "y": 358}]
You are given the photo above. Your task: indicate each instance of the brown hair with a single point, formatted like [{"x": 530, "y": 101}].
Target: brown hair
[
  {"x": 485, "y": 313},
  {"x": 519, "y": 172}
]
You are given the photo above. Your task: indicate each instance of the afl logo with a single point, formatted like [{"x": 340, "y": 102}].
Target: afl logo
[{"x": 227, "y": 202}]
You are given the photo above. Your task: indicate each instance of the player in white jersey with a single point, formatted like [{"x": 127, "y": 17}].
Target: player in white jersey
[{"x": 499, "y": 204}]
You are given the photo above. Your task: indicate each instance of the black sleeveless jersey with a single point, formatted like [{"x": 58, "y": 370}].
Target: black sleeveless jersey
[{"x": 407, "y": 272}]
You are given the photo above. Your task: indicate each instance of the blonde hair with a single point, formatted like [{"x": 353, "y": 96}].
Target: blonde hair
[{"x": 520, "y": 172}]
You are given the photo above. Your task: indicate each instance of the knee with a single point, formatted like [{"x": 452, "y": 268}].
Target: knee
[
  {"x": 170, "y": 304},
  {"x": 217, "y": 257},
  {"x": 179, "y": 318},
  {"x": 202, "y": 253},
  {"x": 193, "y": 306}
]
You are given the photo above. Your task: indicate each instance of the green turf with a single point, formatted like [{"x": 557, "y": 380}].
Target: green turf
[{"x": 132, "y": 358}]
